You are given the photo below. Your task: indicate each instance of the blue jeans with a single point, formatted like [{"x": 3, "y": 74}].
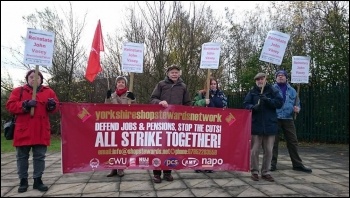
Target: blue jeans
[{"x": 22, "y": 156}]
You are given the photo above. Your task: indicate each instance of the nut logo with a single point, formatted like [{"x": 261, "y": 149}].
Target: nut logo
[
  {"x": 171, "y": 162},
  {"x": 190, "y": 162}
]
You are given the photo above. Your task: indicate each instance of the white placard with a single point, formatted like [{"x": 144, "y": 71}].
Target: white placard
[
  {"x": 210, "y": 56},
  {"x": 274, "y": 47},
  {"x": 132, "y": 58},
  {"x": 39, "y": 47},
  {"x": 300, "y": 69}
]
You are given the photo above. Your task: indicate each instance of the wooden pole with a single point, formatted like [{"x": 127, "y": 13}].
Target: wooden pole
[
  {"x": 208, "y": 85},
  {"x": 107, "y": 80},
  {"x": 262, "y": 89},
  {"x": 35, "y": 86},
  {"x": 297, "y": 100}
]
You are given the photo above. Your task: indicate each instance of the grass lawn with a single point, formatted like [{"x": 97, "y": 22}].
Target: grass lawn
[{"x": 6, "y": 145}]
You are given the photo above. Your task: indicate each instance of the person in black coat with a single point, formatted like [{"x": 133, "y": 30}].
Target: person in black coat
[{"x": 263, "y": 99}]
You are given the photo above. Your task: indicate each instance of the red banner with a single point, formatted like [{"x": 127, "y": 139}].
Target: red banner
[{"x": 109, "y": 136}]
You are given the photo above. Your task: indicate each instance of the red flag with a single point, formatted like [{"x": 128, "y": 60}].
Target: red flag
[{"x": 94, "y": 66}]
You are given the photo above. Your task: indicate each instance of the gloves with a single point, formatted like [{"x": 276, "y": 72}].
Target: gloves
[
  {"x": 255, "y": 107},
  {"x": 51, "y": 104},
  {"x": 109, "y": 93},
  {"x": 263, "y": 97},
  {"x": 130, "y": 95},
  {"x": 27, "y": 104}
]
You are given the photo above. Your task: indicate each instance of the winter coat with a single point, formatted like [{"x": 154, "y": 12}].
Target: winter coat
[
  {"x": 217, "y": 99},
  {"x": 173, "y": 93},
  {"x": 115, "y": 99},
  {"x": 264, "y": 119},
  {"x": 31, "y": 130}
]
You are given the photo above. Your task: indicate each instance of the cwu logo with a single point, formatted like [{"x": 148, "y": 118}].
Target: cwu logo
[{"x": 171, "y": 162}]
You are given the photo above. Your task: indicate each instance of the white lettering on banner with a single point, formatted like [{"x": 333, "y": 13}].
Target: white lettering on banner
[
  {"x": 213, "y": 128},
  {"x": 129, "y": 126},
  {"x": 140, "y": 138},
  {"x": 160, "y": 126},
  {"x": 183, "y": 139},
  {"x": 184, "y": 127},
  {"x": 106, "y": 126},
  {"x": 212, "y": 161},
  {"x": 117, "y": 161},
  {"x": 105, "y": 139}
]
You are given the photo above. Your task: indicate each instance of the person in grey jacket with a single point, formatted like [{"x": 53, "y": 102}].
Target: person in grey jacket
[
  {"x": 263, "y": 99},
  {"x": 171, "y": 90},
  {"x": 121, "y": 95},
  {"x": 286, "y": 123}
]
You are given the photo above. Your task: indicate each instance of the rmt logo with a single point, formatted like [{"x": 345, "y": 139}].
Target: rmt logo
[{"x": 171, "y": 162}]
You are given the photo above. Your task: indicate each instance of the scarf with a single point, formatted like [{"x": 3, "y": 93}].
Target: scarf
[
  {"x": 283, "y": 87},
  {"x": 120, "y": 92}
]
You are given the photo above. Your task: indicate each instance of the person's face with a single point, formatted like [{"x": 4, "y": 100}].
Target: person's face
[
  {"x": 260, "y": 82},
  {"x": 213, "y": 85},
  {"x": 121, "y": 84},
  {"x": 31, "y": 79},
  {"x": 174, "y": 74},
  {"x": 281, "y": 78}
]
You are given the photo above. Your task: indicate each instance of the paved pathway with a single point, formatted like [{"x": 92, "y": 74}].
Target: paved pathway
[{"x": 330, "y": 177}]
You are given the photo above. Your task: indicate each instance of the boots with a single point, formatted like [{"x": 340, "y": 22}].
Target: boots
[
  {"x": 23, "y": 185},
  {"x": 38, "y": 184},
  {"x": 113, "y": 173}
]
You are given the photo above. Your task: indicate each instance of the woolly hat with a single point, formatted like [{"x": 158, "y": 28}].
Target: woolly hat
[
  {"x": 281, "y": 72},
  {"x": 121, "y": 78}
]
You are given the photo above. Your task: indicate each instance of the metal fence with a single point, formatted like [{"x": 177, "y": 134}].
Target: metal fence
[{"x": 324, "y": 115}]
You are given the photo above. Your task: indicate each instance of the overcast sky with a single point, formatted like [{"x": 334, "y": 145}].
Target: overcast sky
[{"x": 110, "y": 13}]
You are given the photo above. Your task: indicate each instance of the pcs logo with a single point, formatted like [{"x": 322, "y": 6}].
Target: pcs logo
[{"x": 171, "y": 162}]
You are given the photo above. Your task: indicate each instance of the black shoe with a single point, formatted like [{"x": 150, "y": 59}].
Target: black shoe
[
  {"x": 198, "y": 171},
  {"x": 273, "y": 168},
  {"x": 114, "y": 172},
  {"x": 209, "y": 171},
  {"x": 23, "y": 186},
  {"x": 38, "y": 184},
  {"x": 303, "y": 169}
]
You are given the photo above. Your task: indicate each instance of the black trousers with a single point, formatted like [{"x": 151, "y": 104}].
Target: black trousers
[
  {"x": 290, "y": 135},
  {"x": 159, "y": 172}
]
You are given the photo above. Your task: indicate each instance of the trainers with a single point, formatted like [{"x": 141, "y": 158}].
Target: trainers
[
  {"x": 209, "y": 171},
  {"x": 268, "y": 177},
  {"x": 120, "y": 172},
  {"x": 255, "y": 177},
  {"x": 168, "y": 177},
  {"x": 157, "y": 179},
  {"x": 198, "y": 171}
]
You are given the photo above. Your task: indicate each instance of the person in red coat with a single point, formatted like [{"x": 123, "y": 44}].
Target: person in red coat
[{"x": 32, "y": 132}]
